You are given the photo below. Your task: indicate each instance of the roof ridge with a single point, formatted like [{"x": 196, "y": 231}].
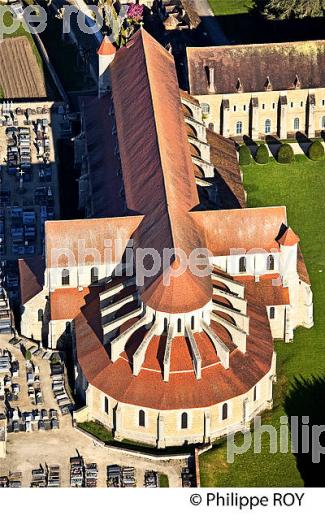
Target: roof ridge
[
  {"x": 243, "y": 45},
  {"x": 143, "y": 32}
]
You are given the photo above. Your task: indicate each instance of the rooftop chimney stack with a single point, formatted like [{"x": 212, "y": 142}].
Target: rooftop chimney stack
[
  {"x": 211, "y": 79},
  {"x": 106, "y": 54}
]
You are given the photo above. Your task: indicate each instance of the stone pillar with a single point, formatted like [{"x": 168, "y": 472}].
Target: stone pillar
[
  {"x": 283, "y": 115},
  {"x": 207, "y": 427},
  {"x": 245, "y": 414},
  {"x": 225, "y": 118},
  {"x": 311, "y": 115},
  {"x": 254, "y": 119},
  {"x": 118, "y": 423},
  {"x": 161, "y": 441}
]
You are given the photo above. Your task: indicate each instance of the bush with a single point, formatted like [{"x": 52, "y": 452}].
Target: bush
[
  {"x": 285, "y": 154},
  {"x": 316, "y": 151},
  {"x": 244, "y": 155},
  {"x": 262, "y": 154}
]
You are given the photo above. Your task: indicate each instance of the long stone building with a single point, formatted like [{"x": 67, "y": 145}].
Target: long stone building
[
  {"x": 262, "y": 89},
  {"x": 173, "y": 355}
]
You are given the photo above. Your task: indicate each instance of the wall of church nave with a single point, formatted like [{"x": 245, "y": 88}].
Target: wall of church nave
[
  {"x": 256, "y": 264},
  {"x": 77, "y": 276}
]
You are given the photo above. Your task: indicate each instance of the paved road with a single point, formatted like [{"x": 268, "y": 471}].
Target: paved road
[{"x": 212, "y": 26}]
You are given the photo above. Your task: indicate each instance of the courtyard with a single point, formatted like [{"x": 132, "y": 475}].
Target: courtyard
[{"x": 301, "y": 365}]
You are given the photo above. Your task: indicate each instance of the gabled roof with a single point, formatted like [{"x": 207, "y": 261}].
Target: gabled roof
[
  {"x": 254, "y": 64},
  {"x": 156, "y": 163},
  {"x": 31, "y": 275}
]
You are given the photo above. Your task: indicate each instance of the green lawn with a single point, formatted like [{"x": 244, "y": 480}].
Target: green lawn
[
  {"x": 225, "y": 7},
  {"x": 301, "y": 365},
  {"x": 242, "y": 23}
]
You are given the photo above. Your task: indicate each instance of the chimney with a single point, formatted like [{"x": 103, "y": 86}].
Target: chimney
[
  {"x": 106, "y": 54},
  {"x": 210, "y": 71}
]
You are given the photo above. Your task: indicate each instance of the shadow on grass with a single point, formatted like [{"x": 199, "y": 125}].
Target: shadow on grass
[{"x": 306, "y": 397}]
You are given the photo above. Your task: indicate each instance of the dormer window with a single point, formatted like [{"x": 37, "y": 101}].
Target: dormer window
[
  {"x": 65, "y": 277},
  {"x": 268, "y": 84}
]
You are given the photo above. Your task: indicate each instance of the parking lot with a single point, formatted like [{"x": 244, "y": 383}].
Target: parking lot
[
  {"x": 29, "y": 192},
  {"x": 27, "y": 450}
]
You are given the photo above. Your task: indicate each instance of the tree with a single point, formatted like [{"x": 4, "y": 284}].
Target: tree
[
  {"x": 316, "y": 151},
  {"x": 262, "y": 154},
  {"x": 285, "y": 154},
  {"x": 244, "y": 155},
  {"x": 284, "y": 9}
]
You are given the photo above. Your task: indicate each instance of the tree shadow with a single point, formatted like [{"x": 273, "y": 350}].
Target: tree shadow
[
  {"x": 305, "y": 399},
  {"x": 303, "y": 141},
  {"x": 253, "y": 27},
  {"x": 274, "y": 144}
]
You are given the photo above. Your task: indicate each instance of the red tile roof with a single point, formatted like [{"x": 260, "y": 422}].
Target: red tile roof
[
  {"x": 183, "y": 389},
  {"x": 104, "y": 238},
  {"x": 65, "y": 304},
  {"x": 254, "y": 63},
  {"x": 246, "y": 229},
  {"x": 289, "y": 238},
  {"x": 31, "y": 275},
  {"x": 269, "y": 290},
  {"x": 106, "y": 47},
  {"x": 157, "y": 167}
]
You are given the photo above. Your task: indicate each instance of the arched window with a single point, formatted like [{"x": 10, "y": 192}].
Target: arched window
[
  {"x": 267, "y": 126},
  {"x": 106, "y": 405},
  {"x": 239, "y": 128},
  {"x": 179, "y": 325},
  {"x": 94, "y": 275},
  {"x": 272, "y": 313},
  {"x": 40, "y": 314},
  {"x": 184, "y": 421},
  {"x": 296, "y": 123},
  {"x": 323, "y": 122},
  {"x": 142, "y": 418},
  {"x": 242, "y": 264},
  {"x": 192, "y": 322},
  {"x": 270, "y": 263},
  {"x": 224, "y": 411},
  {"x": 211, "y": 127},
  {"x": 65, "y": 277}
]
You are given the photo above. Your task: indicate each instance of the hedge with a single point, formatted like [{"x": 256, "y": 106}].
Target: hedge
[
  {"x": 262, "y": 154},
  {"x": 244, "y": 155},
  {"x": 316, "y": 151},
  {"x": 285, "y": 154}
]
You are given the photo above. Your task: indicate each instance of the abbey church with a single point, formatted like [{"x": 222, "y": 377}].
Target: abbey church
[{"x": 191, "y": 360}]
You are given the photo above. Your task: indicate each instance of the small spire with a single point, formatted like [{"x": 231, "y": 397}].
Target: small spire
[
  {"x": 239, "y": 86},
  {"x": 268, "y": 84},
  {"x": 106, "y": 48}
]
